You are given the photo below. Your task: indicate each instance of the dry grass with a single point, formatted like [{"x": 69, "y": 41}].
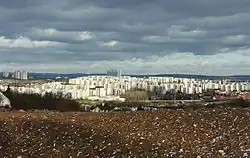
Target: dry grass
[{"x": 219, "y": 132}]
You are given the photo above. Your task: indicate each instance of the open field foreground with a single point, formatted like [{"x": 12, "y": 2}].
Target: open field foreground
[{"x": 219, "y": 132}]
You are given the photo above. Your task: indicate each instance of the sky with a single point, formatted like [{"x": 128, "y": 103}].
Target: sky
[{"x": 209, "y": 37}]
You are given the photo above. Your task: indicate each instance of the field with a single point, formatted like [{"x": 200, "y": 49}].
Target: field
[{"x": 214, "y": 132}]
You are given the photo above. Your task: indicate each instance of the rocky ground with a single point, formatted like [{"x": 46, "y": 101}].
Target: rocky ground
[{"x": 218, "y": 132}]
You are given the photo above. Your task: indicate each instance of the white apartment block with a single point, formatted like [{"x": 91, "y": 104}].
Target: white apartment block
[
  {"x": 110, "y": 88},
  {"x": 21, "y": 75}
]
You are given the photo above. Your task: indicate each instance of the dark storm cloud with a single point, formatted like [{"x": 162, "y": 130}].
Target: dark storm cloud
[
  {"x": 120, "y": 30},
  {"x": 194, "y": 8},
  {"x": 13, "y": 4},
  {"x": 111, "y": 3}
]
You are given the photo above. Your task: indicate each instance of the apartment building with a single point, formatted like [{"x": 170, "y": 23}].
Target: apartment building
[{"x": 112, "y": 87}]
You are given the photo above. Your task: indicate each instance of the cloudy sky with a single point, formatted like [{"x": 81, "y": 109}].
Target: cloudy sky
[{"x": 138, "y": 36}]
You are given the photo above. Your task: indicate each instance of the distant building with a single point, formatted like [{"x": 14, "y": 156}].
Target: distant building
[
  {"x": 24, "y": 75},
  {"x": 17, "y": 75},
  {"x": 21, "y": 75},
  {"x": 5, "y": 74},
  {"x": 114, "y": 73}
]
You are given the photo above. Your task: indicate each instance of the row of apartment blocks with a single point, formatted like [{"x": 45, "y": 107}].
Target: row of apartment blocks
[
  {"x": 185, "y": 85},
  {"x": 20, "y": 75},
  {"x": 75, "y": 91},
  {"x": 110, "y": 88}
]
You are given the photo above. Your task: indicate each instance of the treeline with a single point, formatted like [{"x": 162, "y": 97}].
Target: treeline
[
  {"x": 178, "y": 96},
  {"x": 157, "y": 94},
  {"x": 239, "y": 103},
  {"x": 136, "y": 94},
  {"x": 49, "y": 101},
  {"x": 243, "y": 103}
]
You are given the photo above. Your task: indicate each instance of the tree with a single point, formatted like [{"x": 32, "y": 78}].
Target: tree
[
  {"x": 50, "y": 101},
  {"x": 136, "y": 95},
  {"x": 240, "y": 103}
]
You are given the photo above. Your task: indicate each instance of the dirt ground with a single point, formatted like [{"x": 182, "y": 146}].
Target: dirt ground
[{"x": 218, "y": 132}]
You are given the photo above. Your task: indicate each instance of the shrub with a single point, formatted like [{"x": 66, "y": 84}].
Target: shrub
[
  {"x": 134, "y": 95},
  {"x": 239, "y": 103},
  {"x": 49, "y": 101}
]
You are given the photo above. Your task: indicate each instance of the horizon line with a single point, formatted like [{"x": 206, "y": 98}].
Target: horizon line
[{"x": 128, "y": 74}]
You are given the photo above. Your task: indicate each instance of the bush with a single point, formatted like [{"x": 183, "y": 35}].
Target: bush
[
  {"x": 134, "y": 95},
  {"x": 240, "y": 103},
  {"x": 49, "y": 101}
]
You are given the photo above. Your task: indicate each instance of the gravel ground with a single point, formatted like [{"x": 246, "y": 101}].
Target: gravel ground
[{"x": 218, "y": 132}]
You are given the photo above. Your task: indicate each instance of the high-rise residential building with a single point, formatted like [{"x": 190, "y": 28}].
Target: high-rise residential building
[
  {"x": 24, "y": 75},
  {"x": 114, "y": 73},
  {"x": 21, "y": 75},
  {"x": 119, "y": 73},
  {"x": 5, "y": 74},
  {"x": 17, "y": 75}
]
